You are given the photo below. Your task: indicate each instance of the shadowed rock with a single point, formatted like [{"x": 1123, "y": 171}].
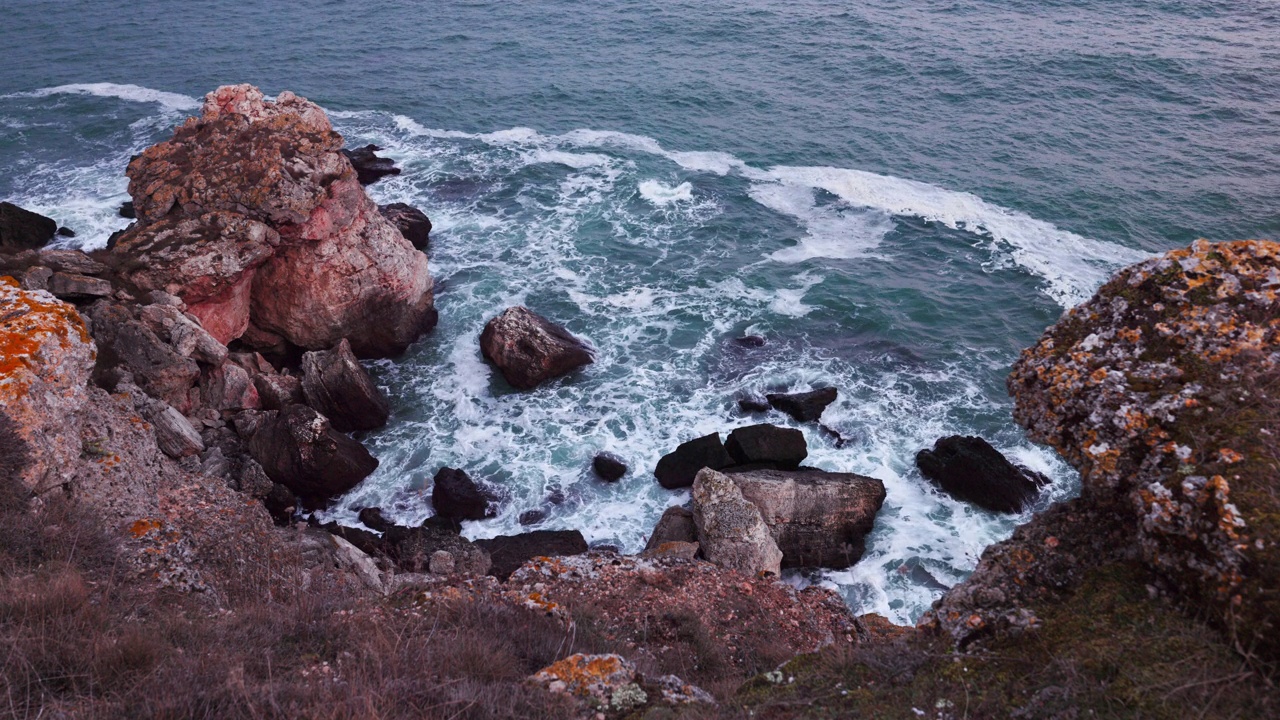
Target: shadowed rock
[
  {"x": 412, "y": 223},
  {"x": 335, "y": 383},
  {"x": 529, "y": 349},
  {"x": 678, "y": 468},
  {"x": 369, "y": 167},
  {"x": 804, "y": 407},
  {"x": 455, "y": 495},
  {"x": 675, "y": 525},
  {"x": 511, "y": 551},
  {"x": 969, "y": 469},
  {"x": 298, "y": 448},
  {"x": 21, "y": 229},
  {"x": 764, "y": 443},
  {"x": 608, "y": 467}
]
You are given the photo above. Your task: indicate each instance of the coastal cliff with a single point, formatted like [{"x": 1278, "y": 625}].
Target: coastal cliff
[{"x": 177, "y": 406}]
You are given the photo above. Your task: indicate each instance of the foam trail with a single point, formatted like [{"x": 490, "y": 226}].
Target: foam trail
[
  {"x": 661, "y": 194},
  {"x": 132, "y": 93},
  {"x": 1072, "y": 265},
  {"x": 838, "y": 233}
]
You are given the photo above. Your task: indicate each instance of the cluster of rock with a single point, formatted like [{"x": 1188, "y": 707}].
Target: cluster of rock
[{"x": 765, "y": 511}]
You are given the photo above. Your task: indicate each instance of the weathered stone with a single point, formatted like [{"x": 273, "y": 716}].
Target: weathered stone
[
  {"x": 22, "y": 229},
  {"x": 355, "y": 561},
  {"x": 973, "y": 471},
  {"x": 46, "y": 356},
  {"x": 369, "y": 167},
  {"x": 412, "y": 223},
  {"x": 455, "y": 495},
  {"x": 36, "y": 278},
  {"x": 675, "y": 525},
  {"x": 174, "y": 433},
  {"x": 299, "y": 449},
  {"x": 731, "y": 531},
  {"x": 424, "y": 549},
  {"x": 764, "y": 443},
  {"x": 229, "y": 387},
  {"x": 817, "y": 519},
  {"x": 529, "y": 349},
  {"x": 187, "y": 337},
  {"x": 71, "y": 261},
  {"x": 678, "y": 468},
  {"x": 78, "y": 287},
  {"x": 372, "y": 518},
  {"x": 334, "y": 383},
  {"x": 154, "y": 365},
  {"x": 277, "y": 391},
  {"x": 509, "y": 552},
  {"x": 806, "y": 406},
  {"x": 608, "y": 467}
]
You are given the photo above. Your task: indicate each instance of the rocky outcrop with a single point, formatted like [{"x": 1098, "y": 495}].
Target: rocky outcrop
[
  {"x": 731, "y": 531},
  {"x": 298, "y": 448},
  {"x": 46, "y": 356},
  {"x": 22, "y": 229},
  {"x": 608, "y": 467},
  {"x": 412, "y": 223},
  {"x": 455, "y": 495},
  {"x": 529, "y": 349},
  {"x": 675, "y": 525},
  {"x": 254, "y": 218},
  {"x": 678, "y": 468},
  {"x": 969, "y": 469},
  {"x": 805, "y": 406},
  {"x": 817, "y": 519},
  {"x": 335, "y": 384},
  {"x": 1164, "y": 390},
  {"x": 509, "y": 552}
]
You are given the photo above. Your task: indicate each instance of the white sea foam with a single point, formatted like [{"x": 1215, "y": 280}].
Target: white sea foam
[
  {"x": 661, "y": 194},
  {"x": 132, "y": 93},
  {"x": 830, "y": 232}
]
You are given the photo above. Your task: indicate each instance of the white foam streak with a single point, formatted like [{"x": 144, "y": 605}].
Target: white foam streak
[
  {"x": 132, "y": 93},
  {"x": 661, "y": 194}
]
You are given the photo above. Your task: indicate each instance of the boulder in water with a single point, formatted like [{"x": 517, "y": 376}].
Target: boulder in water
[
  {"x": 455, "y": 495},
  {"x": 764, "y": 443},
  {"x": 412, "y": 223},
  {"x": 608, "y": 467},
  {"x": 969, "y": 469},
  {"x": 298, "y": 448},
  {"x": 678, "y": 468},
  {"x": 21, "y": 229},
  {"x": 805, "y": 406},
  {"x": 530, "y": 349},
  {"x": 369, "y": 167},
  {"x": 731, "y": 531}
]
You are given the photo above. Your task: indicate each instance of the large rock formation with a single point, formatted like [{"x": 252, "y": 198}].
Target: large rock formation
[
  {"x": 21, "y": 229},
  {"x": 817, "y": 519},
  {"x": 252, "y": 216},
  {"x": 678, "y": 468},
  {"x": 731, "y": 531},
  {"x": 1164, "y": 390},
  {"x": 299, "y": 449},
  {"x": 335, "y": 384}
]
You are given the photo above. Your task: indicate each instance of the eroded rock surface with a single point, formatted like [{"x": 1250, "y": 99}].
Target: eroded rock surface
[
  {"x": 730, "y": 528},
  {"x": 529, "y": 349}
]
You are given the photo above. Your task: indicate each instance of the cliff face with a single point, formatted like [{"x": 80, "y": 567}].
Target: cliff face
[{"x": 1164, "y": 390}]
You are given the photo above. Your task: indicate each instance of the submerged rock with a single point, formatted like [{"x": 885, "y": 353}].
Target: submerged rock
[
  {"x": 806, "y": 406},
  {"x": 731, "y": 531},
  {"x": 335, "y": 383},
  {"x": 511, "y": 551},
  {"x": 817, "y": 519},
  {"x": 973, "y": 471},
  {"x": 21, "y": 229},
  {"x": 529, "y": 349},
  {"x": 678, "y": 468}
]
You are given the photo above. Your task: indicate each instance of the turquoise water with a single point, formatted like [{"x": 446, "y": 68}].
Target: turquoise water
[{"x": 898, "y": 195}]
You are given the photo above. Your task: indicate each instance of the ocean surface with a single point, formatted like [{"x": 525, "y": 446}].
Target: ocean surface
[{"x": 899, "y": 196}]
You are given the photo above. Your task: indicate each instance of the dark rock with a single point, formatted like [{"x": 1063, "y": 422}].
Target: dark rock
[
  {"x": 818, "y": 519},
  {"x": 66, "y": 232},
  {"x": 678, "y": 468},
  {"x": 750, "y": 341},
  {"x": 155, "y": 366},
  {"x": 766, "y": 443},
  {"x": 229, "y": 387},
  {"x": 280, "y": 503},
  {"x": 369, "y": 167},
  {"x": 969, "y": 469},
  {"x": 456, "y": 495},
  {"x": 24, "y": 230},
  {"x": 753, "y": 404},
  {"x": 435, "y": 549},
  {"x": 369, "y": 543},
  {"x": 372, "y": 518},
  {"x": 512, "y": 551},
  {"x": 446, "y": 524},
  {"x": 413, "y": 224},
  {"x": 675, "y": 525},
  {"x": 806, "y": 406},
  {"x": 298, "y": 448},
  {"x": 335, "y": 383},
  {"x": 127, "y": 211},
  {"x": 529, "y": 349},
  {"x": 78, "y": 287},
  {"x": 608, "y": 466},
  {"x": 532, "y": 517},
  {"x": 277, "y": 391}
]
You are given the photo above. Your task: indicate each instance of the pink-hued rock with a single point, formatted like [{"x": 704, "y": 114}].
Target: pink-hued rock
[
  {"x": 254, "y": 218},
  {"x": 46, "y": 356}
]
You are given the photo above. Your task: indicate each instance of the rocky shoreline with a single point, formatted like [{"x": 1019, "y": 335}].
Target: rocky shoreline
[{"x": 195, "y": 387}]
